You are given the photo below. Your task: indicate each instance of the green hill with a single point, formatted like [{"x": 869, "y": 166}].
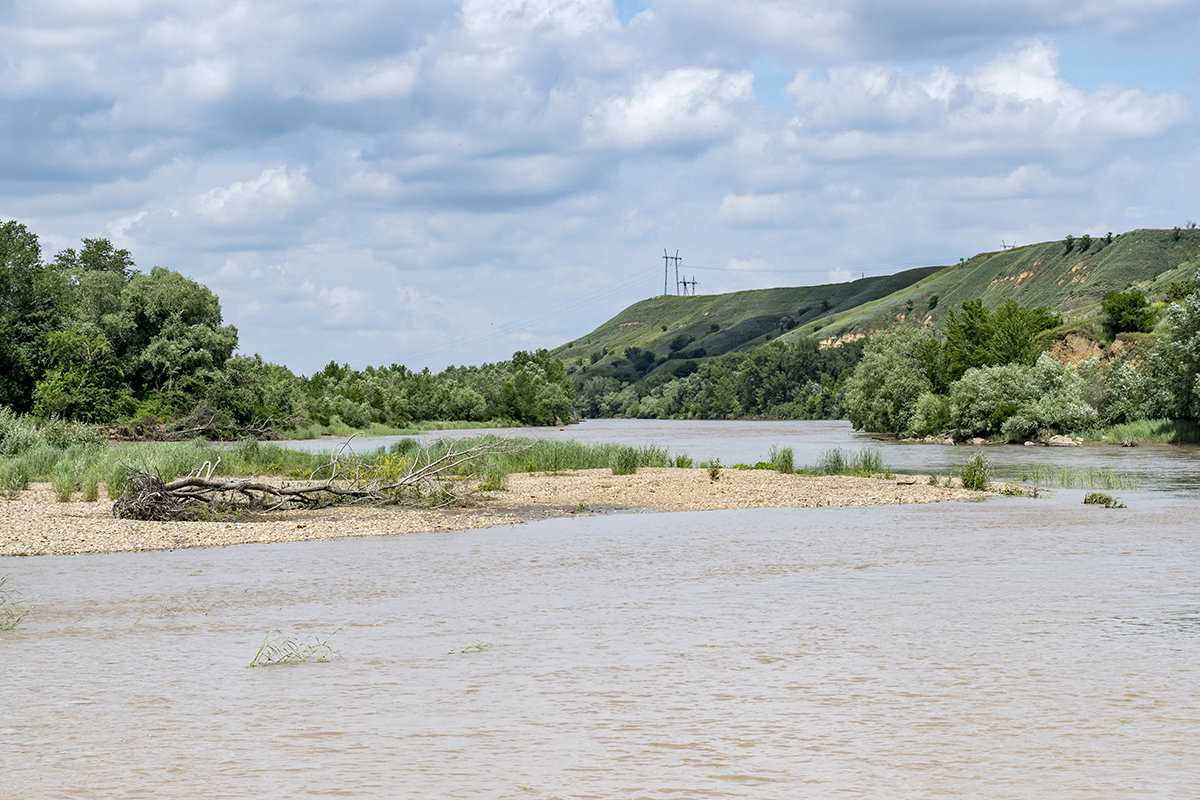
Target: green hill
[
  {"x": 1069, "y": 278},
  {"x": 1070, "y": 282},
  {"x": 680, "y": 328}
]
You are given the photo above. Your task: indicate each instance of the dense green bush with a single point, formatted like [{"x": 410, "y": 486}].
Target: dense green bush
[
  {"x": 882, "y": 393},
  {"x": 1128, "y": 311},
  {"x": 1021, "y": 402}
]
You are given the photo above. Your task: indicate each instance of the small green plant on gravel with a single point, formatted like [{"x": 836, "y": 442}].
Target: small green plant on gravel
[
  {"x": 863, "y": 463},
  {"x": 278, "y": 649},
  {"x": 976, "y": 474},
  {"x": 494, "y": 477},
  {"x": 90, "y": 486},
  {"x": 14, "y": 477},
  {"x": 682, "y": 462},
  {"x": 933, "y": 480},
  {"x": 714, "y": 470},
  {"x": 783, "y": 460},
  {"x": 64, "y": 480},
  {"x": 11, "y": 610},
  {"x": 1101, "y": 499},
  {"x": 624, "y": 461}
]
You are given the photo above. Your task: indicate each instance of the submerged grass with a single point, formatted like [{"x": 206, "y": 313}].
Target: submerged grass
[
  {"x": 11, "y": 610},
  {"x": 1071, "y": 477},
  {"x": 278, "y": 649}
]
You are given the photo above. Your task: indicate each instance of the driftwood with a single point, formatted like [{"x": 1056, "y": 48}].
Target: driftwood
[{"x": 347, "y": 478}]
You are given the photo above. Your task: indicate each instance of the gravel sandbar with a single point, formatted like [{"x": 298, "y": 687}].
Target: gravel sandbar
[{"x": 35, "y": 523}]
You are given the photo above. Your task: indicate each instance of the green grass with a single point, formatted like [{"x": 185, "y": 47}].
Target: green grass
[
  {"x": 12, "y": 611},
  {"x": 783, "y": 459},
  {"x": 1169, "y": 431},
  {"x": 277, "y": 650},
  {"x": 862, "y": 463},
  {"x": 1071, "y": 477},
  {"x": 624, "y": 461}
]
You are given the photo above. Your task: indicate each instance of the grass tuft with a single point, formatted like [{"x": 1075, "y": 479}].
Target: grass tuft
[
  {"x": 783, "y": 460},
  {"x": 862, "y": 463},
  {"x": 277, "y": 650},
  {"x": 624, "y": 461},
  {"x": 11, "y": 610}
]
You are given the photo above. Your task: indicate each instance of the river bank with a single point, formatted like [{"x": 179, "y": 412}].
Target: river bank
[{"x": 35, "y": 523}]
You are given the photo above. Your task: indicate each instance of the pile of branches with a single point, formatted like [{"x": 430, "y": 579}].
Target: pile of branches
[{"x": 347, "y": 479}]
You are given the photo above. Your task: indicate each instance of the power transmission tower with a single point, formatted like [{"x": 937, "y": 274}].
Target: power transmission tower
[
  {"x": 667, "y": 259},
  {"x": 692, "y": 283}
]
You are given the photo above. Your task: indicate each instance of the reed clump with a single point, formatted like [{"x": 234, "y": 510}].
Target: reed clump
[
  {"x": 1101, "y": 499},
  {"x": 861, "y": 463},
  {"x": 783, "y": 460}
]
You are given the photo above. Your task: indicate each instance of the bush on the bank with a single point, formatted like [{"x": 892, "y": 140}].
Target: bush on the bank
[{"x": 1021, "y": 402}]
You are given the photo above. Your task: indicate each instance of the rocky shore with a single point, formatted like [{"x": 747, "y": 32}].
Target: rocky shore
[{"x": 35, "y": 523}]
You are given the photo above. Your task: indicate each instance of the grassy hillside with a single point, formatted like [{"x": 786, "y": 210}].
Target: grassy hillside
[
  {"x": 1071, "y": 282},
  {"x": 663, "y": 334},
  {"x": 680, "y": 328}
]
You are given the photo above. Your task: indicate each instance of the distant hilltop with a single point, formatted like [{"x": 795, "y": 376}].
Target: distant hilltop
[{"x": 1069, "y": 277}]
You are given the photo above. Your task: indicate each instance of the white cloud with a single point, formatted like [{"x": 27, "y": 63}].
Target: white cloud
[
  {"x": 683, "y": 106},
  {"x": 495, "y": 159}
]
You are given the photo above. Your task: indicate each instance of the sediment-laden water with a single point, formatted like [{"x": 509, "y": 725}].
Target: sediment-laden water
[{"x": 1007, "y": 648}]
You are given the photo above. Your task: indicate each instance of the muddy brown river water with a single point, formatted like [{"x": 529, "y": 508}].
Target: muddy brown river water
[{"x": 1011, "y": 648}]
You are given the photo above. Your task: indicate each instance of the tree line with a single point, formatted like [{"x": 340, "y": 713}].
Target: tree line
[
  {"x": 86, "y": 336},
  {"x": 987, "y": 373}
]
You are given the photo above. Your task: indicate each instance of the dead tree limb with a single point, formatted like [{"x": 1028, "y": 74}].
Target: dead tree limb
[{"x": 348, "y": 478}]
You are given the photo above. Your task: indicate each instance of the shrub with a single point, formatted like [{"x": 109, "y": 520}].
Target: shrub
[
  {"x": 714, "y": 470},
  {"x": 977, "y": 473},
  {"x": 14, "y": 477},
  {"x": 931, "y": 414},
  {"x": 1128, "y": 311}
]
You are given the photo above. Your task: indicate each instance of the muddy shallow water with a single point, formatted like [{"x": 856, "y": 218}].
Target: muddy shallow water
[{"x": 1005, "y": 648}]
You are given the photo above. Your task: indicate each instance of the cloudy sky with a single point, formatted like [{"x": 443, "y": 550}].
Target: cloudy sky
[{"x": 427, "y": 183}]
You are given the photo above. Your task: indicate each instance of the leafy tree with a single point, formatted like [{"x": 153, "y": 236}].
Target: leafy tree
[
  {"x": 82, "y": 380},
  {"x": 968, "y": 333},
  {"x": 169, "y": 330},
  {"x": 1128, "y": 311},
  {"x": 1171, "y": 375},
  {"x": 538, "y": 392},
  {"x": 31, "y": 300},
  {"x": 882, "y": 393}
]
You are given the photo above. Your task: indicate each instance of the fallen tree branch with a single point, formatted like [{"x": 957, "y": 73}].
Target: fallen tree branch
[{"x": 201, "y": 495}]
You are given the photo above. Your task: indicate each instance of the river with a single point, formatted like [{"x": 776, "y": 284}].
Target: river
[{"x": 1010, "y": 648}]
